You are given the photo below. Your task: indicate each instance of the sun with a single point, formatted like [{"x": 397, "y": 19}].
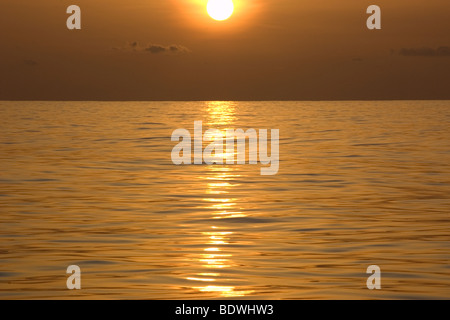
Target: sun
[{"x": 220, "y": 9}]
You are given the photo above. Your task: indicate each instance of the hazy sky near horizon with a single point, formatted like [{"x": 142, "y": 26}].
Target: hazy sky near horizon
[{"x": 268, "y": 50}]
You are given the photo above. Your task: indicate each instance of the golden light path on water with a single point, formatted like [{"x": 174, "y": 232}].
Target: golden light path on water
[{"x": 215, "y": 256}]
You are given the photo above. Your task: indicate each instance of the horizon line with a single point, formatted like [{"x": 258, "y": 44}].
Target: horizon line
[{"x": 226, "y": 100}]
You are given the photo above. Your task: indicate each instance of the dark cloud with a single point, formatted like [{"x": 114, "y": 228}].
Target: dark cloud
[
  {"x": 155, "y": 48},
  {"x": 425, "y": 52},
  {"x": 178, "y": 49}
]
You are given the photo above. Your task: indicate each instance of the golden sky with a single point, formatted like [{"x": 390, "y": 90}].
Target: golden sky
[{"x": 267, "y": 50}]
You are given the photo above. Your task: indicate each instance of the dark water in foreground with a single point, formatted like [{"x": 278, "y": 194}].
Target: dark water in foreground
[{"x": 92, "y": 184}]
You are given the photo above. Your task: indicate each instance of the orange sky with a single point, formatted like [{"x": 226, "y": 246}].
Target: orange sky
[{"x": 268, "y": 50}]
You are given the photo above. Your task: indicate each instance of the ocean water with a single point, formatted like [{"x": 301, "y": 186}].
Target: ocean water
[{"x": 92, "y": 184}]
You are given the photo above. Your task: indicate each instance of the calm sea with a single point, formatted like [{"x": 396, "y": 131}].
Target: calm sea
[{"x": 92, "y": 184}]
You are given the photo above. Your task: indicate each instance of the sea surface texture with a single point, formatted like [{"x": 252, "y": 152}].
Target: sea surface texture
[{"x": 93, "y": 184}]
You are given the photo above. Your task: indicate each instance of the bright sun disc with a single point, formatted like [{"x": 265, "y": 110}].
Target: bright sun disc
[{"x": 220, "y": 9}]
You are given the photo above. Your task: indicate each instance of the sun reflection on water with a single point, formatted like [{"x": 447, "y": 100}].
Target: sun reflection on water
[
  {"x": 218, "y": 184},
  {"x": 221, "y": 113}
]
